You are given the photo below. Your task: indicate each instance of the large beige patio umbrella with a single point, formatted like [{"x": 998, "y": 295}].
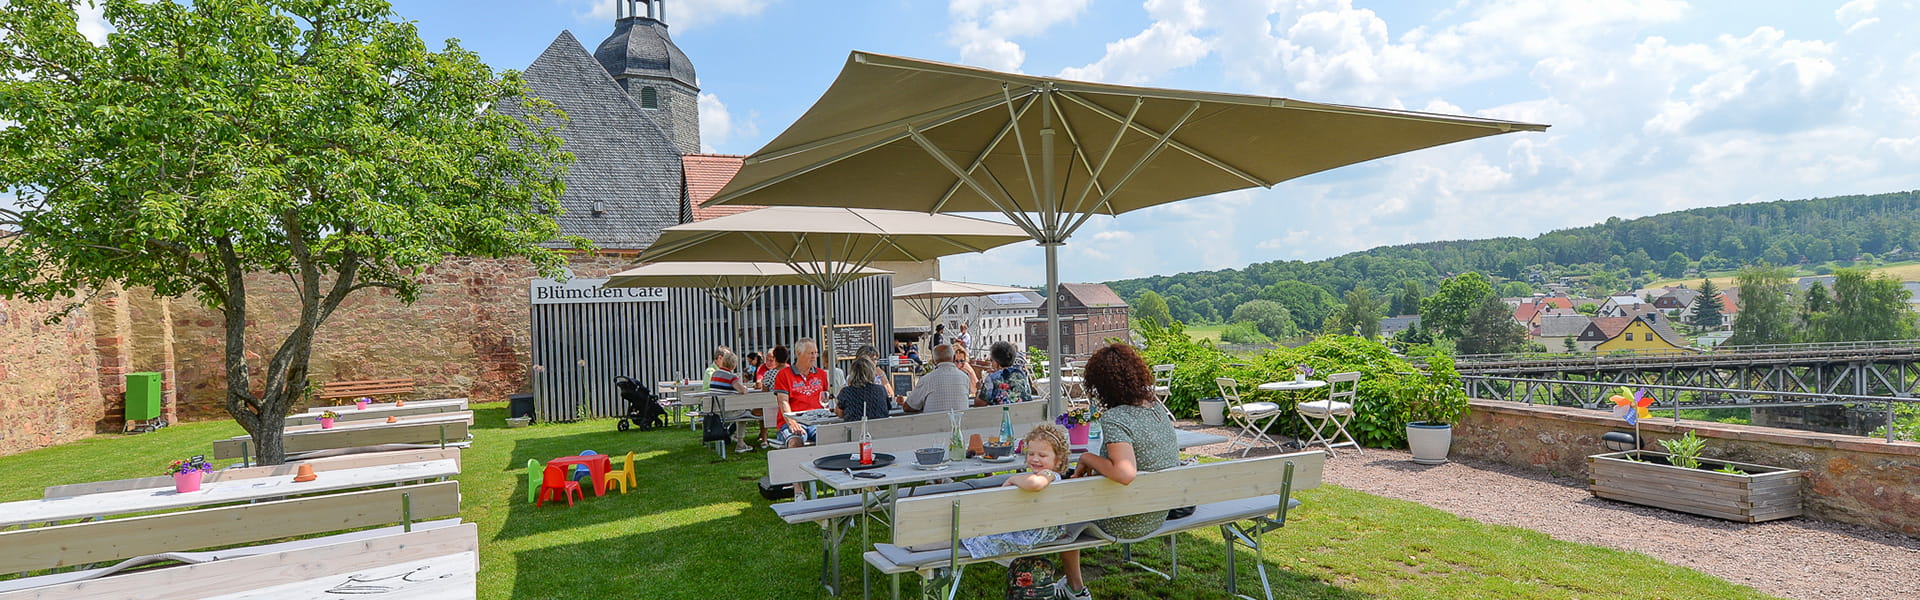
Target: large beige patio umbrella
[
  {"x": 828, "y": 247},
  {"x": 933, "y": 296},
  {"x": 734, "y": 285},
  {"x": 1049, "y": 153}
]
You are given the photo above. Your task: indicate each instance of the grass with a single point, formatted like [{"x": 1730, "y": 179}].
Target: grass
[
  {"x": 696, "y": 528},
  {"x": 1205, "y": 332}
]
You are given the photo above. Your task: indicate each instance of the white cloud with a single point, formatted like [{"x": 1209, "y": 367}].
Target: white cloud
[
  {"x": 984, "y": 30},
  {"x": 1168, "y": 44},
  {"x": 718, "y": 125},
  {"x": 93, "y": 23},
  {"x": 685, "y": 14}
]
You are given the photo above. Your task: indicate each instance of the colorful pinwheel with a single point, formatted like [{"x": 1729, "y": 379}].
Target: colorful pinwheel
[{"x": 1634, "y": 408}]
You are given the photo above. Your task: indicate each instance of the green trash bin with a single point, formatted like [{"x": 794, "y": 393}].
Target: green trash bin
[{"x": 143, "y": 396}]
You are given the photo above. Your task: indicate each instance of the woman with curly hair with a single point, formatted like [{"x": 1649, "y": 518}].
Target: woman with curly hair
[{"x": 1139, "y": 439}]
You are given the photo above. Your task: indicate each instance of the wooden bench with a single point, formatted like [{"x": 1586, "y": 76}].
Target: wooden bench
[
  {"x": 365, "y": 388},
  {"x": 927, "y": 529},
  {"x": 381, "y": 411},
  {"x": 320, "y": 465},
  {"x": 979, "y": 417},
  {"x": 442, "y": 434}
]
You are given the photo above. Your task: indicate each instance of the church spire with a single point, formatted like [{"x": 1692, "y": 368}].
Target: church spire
[{"x": 656, "y": 10}]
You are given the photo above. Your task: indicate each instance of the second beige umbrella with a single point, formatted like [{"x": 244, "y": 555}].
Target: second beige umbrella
[
  {"x": 734, "y": 285},
  {"x": 828, "y": 247}
]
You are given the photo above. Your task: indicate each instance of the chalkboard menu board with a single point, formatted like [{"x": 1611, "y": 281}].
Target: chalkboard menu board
[{"x": 850, "y": 337}]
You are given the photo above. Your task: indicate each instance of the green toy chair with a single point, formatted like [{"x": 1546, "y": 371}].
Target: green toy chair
[{"x": 533, "y": 480}]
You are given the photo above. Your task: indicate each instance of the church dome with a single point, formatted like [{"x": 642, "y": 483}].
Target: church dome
[{"x": 640, "y": 47}]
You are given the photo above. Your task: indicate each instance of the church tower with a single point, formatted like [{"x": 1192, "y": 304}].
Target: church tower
[{"x": 655, "y": 73}]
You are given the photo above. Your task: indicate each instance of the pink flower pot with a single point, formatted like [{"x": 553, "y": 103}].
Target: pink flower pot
[
  {"x": 326, "y": 423},
  {"x": 359, "y": 405},
  {"x": 187, "y": 482},
  {"x": 1077, "y": 435}
]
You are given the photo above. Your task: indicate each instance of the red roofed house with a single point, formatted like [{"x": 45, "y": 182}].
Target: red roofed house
[{"x": 705, "y": 175}]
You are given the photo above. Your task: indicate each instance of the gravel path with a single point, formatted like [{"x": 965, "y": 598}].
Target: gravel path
[{"x": 1794, "y": 558}]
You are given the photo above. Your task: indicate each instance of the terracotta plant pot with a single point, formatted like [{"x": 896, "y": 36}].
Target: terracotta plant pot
[{"x": 187, "y": 482}]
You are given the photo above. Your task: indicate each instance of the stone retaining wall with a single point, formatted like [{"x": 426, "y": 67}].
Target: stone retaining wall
[
  {"x": 1850, "y": 479},
  {"x": 49, "y": 377}
]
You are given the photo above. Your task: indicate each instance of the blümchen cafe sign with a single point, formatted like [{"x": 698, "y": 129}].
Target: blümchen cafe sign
[{"x": 587, "y": 290}]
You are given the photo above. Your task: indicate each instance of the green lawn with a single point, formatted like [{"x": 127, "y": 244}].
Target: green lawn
[
  {"x": 697, "y": 529},
  {"x": 1205, "y": 332}
]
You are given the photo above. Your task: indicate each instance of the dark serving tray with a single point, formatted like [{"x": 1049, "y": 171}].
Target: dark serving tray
[{"x": 842, "y": 461}]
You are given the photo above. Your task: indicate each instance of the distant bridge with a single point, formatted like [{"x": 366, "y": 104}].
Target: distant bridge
[{"x": 1880, "y": 374}]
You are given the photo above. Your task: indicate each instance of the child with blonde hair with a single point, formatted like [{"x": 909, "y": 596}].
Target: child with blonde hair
[{"x": 1046, "y": 453}]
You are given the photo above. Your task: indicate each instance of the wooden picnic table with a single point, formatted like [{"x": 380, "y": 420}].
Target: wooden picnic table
[
  {"x": 313, "y": 423},
  {"x": 65, "y": 508},
  {"x": 441, "y": 404}
]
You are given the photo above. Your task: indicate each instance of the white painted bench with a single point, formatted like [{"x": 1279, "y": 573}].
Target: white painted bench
[
  {"x": 449, "y": 431},
  {"x": 927, "y": 529},
  {"x": 116, "y": 539},
  {"x": 381, "y": 410},
  {"x": 320, "y": 465},
  {"x": 979, "y": 417}
]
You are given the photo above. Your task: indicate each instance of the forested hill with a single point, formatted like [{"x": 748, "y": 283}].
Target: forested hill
[{"x": 1617, "y": 252}]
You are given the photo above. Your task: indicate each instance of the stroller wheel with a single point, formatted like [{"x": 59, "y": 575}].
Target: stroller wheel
[{"x": 623, "y": 425}]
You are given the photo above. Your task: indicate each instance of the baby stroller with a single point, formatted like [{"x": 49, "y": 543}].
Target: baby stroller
[{"x": 642, "y": 408}]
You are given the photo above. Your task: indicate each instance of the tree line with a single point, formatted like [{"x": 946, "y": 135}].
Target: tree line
[{"x": 1306, "y": 297}]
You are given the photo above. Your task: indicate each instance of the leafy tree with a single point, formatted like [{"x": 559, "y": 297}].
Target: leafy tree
[
  {"x": 1446, "y": 311},
  {"x": 1818, "y": 250},
  {"x": 1568, "y": 345},
  {"x": 1604, "y": 283},
  {"x": 1707, "y": 313},
  {"x": 1179, "y": 310},
  {"x": 1515, "y": 289},
  {"x": 1244, "y": 333},
  {"x": 1813, "y": 311},
  {"x": 320, "y": 143},
  {"x": 1407, "y": 302},
  {"x": 1510, "y": 266},
  {"x": 1490, "y": 329},
  {"x": 1774, "y": 255},
  {"x": 1588, "y": 308},
  {"x": 1308, "y": 304},
  {"x": 1639, "y": 262},
  {"x": 1764, "y": 316},
  {"x": 1149, "y": 306},
  {"x": 1360, "y": 311},
  {"x": 1867, "y": 307},
  {"x": 1268, "y": 316},
  {"x": 1675, "y": 266}
]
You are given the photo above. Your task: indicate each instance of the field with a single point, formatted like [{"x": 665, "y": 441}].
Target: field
[{"x": 1902, "y": 271}]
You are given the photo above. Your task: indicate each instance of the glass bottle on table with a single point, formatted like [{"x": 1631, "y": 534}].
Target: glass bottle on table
[
  {"x": 955, "y": 445},
  {"x": 866, "y": 444},
  {"x": 1006, "y": 422}
]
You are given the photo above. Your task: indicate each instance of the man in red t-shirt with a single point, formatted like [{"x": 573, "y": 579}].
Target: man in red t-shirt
[{"x": 800, "y": 387}]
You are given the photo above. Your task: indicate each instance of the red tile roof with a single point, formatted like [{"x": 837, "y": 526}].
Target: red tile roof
[
  {"x": 1558, "y": 301},
  {"x": 1092, "y": 295},
  {"x": 1525, "y": 312},
  {"x": 706, "y": 174}
]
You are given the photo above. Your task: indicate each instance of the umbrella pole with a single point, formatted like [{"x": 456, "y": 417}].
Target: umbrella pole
[{"x": 1056, "y": 402}]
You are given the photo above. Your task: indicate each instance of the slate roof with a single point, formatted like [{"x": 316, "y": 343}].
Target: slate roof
[
  {"x": 706, "y": 174},
  {"x": 624, "y": 164},
  {"x": 1091, "y": 295},
  {"x": 1562, "y": 325},
  {"x": 1393, "y": 325},
  {"x": 640, "y": 47}
]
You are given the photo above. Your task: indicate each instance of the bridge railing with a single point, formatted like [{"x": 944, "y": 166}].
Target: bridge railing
[
  {"x": 1809, "y": 347},
  {"x": 1594, "y": 394}
]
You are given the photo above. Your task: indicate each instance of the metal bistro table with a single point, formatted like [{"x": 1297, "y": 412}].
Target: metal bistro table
[{"x": 1290, "y": 386}]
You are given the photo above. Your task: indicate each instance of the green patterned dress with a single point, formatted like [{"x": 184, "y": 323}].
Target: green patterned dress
[{"x": 1154, "y": 449}]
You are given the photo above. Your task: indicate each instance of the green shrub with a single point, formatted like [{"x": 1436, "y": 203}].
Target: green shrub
[
  {"x": 1243, "y": 333},
  {"x": 1389, "y": 389}
]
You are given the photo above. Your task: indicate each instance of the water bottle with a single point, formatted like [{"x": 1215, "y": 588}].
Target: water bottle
[
  {"x": 1006, "y": 423},
  {"x": 955, "y": 445},
  {"x": 866, "y": 444}
]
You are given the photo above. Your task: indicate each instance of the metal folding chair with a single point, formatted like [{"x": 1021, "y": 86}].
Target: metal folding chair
[
  {"x": 1336, "y": 409},
  {"x": 1253, "y": 417},
  {"x": 1163, "y": 386}
]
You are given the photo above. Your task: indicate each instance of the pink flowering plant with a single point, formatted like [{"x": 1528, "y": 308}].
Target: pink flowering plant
[{"x": 196, "y": 464}]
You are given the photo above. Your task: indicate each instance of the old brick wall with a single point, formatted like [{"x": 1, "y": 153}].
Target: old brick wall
[
  {"x": 49, "y": 377},
  {"x": 1850, "y": 479},
  {"x": 466, "y": 335}
]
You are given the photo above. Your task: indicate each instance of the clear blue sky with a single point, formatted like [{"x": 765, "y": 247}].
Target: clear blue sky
[{"x": 1656, "y": 105}]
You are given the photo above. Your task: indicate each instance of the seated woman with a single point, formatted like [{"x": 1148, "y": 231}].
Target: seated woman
[
  {"x": 1139, "y": 439},
  {"x": 862, "y": 398},
  {"x": 1007, "y": 383}
]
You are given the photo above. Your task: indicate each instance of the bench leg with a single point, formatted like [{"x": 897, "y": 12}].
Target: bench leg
[
  {"x": 831, "y": 536},
  {"x": 1173, "y": 550},
  {"x": 1233, "y": 535}
]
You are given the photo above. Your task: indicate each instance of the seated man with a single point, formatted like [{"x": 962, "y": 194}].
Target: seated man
[{"x": 945, "y": 388}]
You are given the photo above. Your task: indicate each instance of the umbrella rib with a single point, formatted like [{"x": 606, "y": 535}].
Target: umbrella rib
[
  {"x": 656, "y": 253},
  {"x": 1113, "y": 146},
  {"x": 1189, "y": 150},
  {"x": 940, "y": 117},
  {"x": 1020, "y": 139},
  {"x": 947, "y": 162},
  {"x": 1138, "y": 163},
  {"x": 998, "y": 137}
]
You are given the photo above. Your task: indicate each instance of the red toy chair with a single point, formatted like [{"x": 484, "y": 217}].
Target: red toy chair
[{"x": 554, "y": 480}]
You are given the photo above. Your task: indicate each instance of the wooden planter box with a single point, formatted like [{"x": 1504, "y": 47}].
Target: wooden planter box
[{"x": 1763, "y": 493}]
